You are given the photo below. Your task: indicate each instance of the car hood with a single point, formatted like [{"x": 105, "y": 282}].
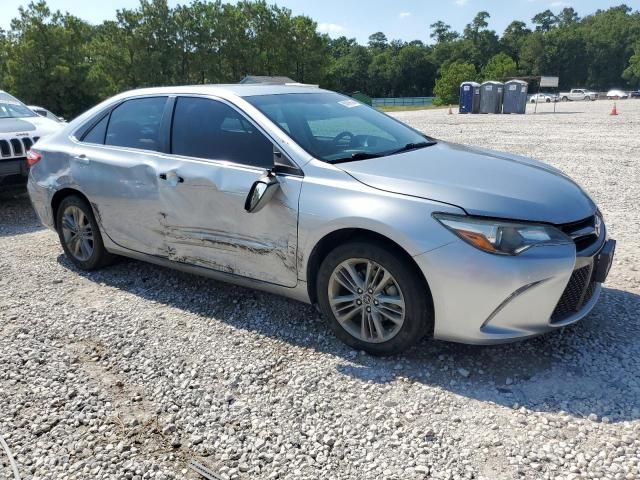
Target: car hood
[
  {"x": 480, "y": 181},
  {"x": 34, "y": 126}
]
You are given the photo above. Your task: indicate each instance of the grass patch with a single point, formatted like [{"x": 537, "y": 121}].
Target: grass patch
[{"x": 406, "y": 108}]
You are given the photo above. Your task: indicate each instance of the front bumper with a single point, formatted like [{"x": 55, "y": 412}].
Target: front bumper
[
  {"x": 481, "y": 298},
  {"x": 13, "y": 171}
]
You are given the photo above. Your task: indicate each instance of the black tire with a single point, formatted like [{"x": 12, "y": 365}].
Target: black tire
[
  {"x": 418, "y": 320},
  {"x": 565, "y": 99},
  {"x": 99, "y": 256},
  {"x": 548, "y": 100}
]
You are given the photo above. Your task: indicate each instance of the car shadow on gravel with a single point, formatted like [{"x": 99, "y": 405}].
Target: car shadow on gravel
[
  {"x": 590, "y": 368},
  {"x": 17, "y": 216}
]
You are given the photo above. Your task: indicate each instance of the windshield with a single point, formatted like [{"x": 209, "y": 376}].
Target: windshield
[
  {"x": 335, "y": 128},
  {"x": 11, "y": 107}
]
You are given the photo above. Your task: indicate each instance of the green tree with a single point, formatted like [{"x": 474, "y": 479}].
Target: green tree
[
  {"x": 450, "y": 76},
  {"x": 567, "y": 16},
  {"x": 378, "y": 41},
  {"x": 381, "y": 75},
  {"x": 442, "y": 33},
  {"x": 544, "y": 21},
  {"x": 500, "y": 67},
  {"x": 479, "y": 43},
  {"x": 513, "y": 39},
  {"x": 413, "y": 73},
  {"x": 310, "y": 50},
  {"x": 47, "y": 62},
  {"x": 4, "y": 55},
  {"x": 208, "y": 41},
  {"x": 632, "y": 72}
]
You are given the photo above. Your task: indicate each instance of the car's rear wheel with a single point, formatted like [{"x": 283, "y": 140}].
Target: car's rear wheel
[
  {"x": 79, "y": 234},
  {"x": 373, "y": 299}
]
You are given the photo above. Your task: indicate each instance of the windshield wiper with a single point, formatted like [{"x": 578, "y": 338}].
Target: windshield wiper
[
  {"x": 357, "y": 156},
  {"x": 366, "y": 155},
  {"x": 413, "y": 146}
]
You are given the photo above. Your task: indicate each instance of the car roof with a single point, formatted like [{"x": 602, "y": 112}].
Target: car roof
[{"x": 226, "y": 90}]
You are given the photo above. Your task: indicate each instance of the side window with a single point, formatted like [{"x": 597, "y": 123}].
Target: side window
[
  {"x": 97, "y": 133},
  {"x": 210, "y": 129},
  {"x": 136, "y": 124}
]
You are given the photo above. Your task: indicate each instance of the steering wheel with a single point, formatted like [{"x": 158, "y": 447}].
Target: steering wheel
[{"x": 342, "y": 135}]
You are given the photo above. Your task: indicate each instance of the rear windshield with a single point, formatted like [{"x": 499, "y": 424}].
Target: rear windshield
[
  {"x": 331, "y": 126},
  {"x": 11, "y": 107}
]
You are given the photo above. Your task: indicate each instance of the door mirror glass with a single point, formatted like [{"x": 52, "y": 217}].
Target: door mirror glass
[{"x": 261, "y": 192}]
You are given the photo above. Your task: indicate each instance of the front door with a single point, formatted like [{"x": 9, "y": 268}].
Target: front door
[{"x": 218, "y": 155}]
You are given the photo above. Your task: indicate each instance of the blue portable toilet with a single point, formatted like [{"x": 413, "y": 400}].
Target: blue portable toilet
[{"x": 469, "y": 97}]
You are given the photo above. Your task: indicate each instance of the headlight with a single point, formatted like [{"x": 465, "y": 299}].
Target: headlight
[{"x": 501, "y": 237}]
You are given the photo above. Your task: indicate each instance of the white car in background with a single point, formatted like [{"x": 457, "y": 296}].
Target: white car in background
[
  {"x": 20, "y": 128},
  {"x": 616, "y": 94},
  {"x": 43, "y": 112},
  {"x": 543, "y": 98}
]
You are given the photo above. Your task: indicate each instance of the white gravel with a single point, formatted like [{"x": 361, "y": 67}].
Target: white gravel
[{"x": 132, "y": 371}]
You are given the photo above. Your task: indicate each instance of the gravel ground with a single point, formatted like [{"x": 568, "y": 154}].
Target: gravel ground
[{"x": 133, "y": 371}]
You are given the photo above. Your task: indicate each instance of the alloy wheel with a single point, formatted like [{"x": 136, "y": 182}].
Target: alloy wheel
[
  {"x": 77, "y": 233},
  {"x": 366, "y": 300}
]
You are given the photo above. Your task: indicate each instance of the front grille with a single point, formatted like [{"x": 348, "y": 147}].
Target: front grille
[
  {"x": 578, "y": 291},
  {"x": 16, "y": 144},
  {"x": 16, "y": 147},
  {"x": 5, "y": 150},
  {"x": 584, "y": 232}
]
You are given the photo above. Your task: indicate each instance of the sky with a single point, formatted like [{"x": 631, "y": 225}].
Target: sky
[{"x": 402, "y": 19}]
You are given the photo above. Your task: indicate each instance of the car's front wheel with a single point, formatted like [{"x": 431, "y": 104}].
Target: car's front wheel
[
  {"x": 79, "y": 234},
  {"x": 374, "y": 299}
]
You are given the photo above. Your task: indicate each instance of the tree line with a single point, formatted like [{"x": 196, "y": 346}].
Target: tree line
[{"x": 67, "y": 65}]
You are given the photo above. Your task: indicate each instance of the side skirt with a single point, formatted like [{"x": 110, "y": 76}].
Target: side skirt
[{"x": 299, "y": 292}]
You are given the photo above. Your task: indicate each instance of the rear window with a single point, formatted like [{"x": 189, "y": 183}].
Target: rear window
[
  {"x": 97, "y": 133},
  {"x": 136, "y": 124}
]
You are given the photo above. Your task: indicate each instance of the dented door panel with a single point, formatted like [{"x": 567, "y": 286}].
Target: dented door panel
[
  {"x": 123, "y": 187},
  {"x": 204, "y": 222}
]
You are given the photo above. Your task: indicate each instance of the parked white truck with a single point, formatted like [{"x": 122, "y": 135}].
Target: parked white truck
[
  {"x": 20, "y": 128},
  {"x": 578, "y": 94}
]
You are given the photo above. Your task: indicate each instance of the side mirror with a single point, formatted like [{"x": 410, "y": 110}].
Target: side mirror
[{"x": 261, "y": 192}]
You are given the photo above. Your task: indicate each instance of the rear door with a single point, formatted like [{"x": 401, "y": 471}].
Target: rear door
[
  {"x": 218, "y": 154},
  {"x": 117, "y": 164}
]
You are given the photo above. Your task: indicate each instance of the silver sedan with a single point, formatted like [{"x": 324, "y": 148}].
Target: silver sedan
[{"x": 309, "y": 194}]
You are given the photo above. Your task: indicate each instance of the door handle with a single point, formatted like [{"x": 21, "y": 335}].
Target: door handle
[
  {"x": 82, "y": 158},
  {"x": 171, "y": 176}
]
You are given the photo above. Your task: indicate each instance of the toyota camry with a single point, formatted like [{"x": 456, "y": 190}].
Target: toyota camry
[{"x": 306, "y": 193}]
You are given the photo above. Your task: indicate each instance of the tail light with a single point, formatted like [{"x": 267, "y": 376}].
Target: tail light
[{"x": 33, "y": 157}]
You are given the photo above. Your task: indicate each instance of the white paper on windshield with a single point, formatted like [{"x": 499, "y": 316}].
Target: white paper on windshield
[{"x": 349, "y": 103}]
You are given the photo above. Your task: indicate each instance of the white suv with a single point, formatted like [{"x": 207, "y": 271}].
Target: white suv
[{"x": 20, "y": 128}]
